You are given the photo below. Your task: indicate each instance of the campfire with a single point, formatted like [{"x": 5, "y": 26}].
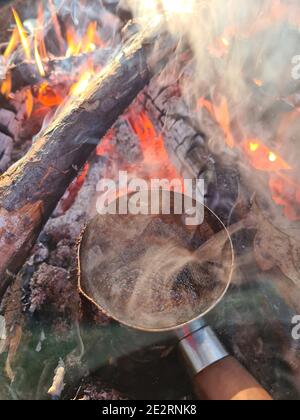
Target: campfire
[{"x": 156, "y": 89}]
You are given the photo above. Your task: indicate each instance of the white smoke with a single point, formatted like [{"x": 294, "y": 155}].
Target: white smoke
[{"x": 245, "y": 52}]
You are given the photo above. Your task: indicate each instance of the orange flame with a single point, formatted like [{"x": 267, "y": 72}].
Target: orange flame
[
  {"x": 29, "y": 102},
  {"x": 74, "y": 45},
  {"x": 87, "y": 44},
  {"x": 155, "y": 155},
  {"x": 286, "y": 193},
  {"x": 49, "y": 96},
  {"x": 262, "y": 158},
  {"x": 71, "y": 193},
  {"x": 23, "y": 35},
  {"x": 91, "y": 39},
  {"x": 221, "y": 114},
  {"x": 6, "y": 85}
]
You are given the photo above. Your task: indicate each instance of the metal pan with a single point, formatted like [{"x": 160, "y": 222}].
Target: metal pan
[{"x": 155, "y": 272}]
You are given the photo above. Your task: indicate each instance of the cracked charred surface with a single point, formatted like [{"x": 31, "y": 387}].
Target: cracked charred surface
[{"x": 190, "y": 148}]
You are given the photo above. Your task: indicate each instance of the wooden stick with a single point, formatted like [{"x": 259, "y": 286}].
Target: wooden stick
[{"x": 31, "y": 189}]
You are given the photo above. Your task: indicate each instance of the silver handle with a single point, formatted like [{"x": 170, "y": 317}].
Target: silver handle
[{"x": 200, "y": 347}]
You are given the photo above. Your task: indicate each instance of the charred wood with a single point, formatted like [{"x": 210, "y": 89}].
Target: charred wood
[{"x": 31, "y": 189}]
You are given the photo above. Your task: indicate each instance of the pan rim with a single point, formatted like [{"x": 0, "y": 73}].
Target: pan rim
[{"x": 165, "y": 329}]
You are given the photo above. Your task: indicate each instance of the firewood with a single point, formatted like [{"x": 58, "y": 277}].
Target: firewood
[
  {"x": 31, "y": 188},
  {"x": 27, "y": 74}
]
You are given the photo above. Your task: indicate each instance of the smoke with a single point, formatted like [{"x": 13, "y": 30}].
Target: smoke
[{"x": 245, "y": 62}]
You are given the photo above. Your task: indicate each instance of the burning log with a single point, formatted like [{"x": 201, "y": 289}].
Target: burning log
[
  {"x": 27, "y": 73},
  {"x": 31, "y": 189}
]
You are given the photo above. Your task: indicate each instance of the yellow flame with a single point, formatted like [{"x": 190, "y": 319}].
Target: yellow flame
[
  {"x": 12, "y": 45},
  {"x": 74, "y": 45},
  {"x": 37, "y": 57},
  {"x": 29, "y": 102},
  {"x": 82, "y": 83},
  {"x": 88, "y": 44},
  {"x": 253, "y": 147},
  {"x": 22, "y": 34}
]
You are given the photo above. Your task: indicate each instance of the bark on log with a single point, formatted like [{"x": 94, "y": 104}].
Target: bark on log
[{"x": 30, "y": 189}]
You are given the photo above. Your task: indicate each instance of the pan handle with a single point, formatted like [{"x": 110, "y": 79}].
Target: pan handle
[
  {"x": 228, "y": 380},
  {"x": 216, "y": 375}
]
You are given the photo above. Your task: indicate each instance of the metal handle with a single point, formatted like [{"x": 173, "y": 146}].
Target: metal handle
[
  {"x": 200, "y": 348},
  {"x": 216, "y": 375}
]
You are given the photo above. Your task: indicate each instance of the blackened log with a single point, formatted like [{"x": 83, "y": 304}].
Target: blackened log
[{"x": 31, "y": 188}]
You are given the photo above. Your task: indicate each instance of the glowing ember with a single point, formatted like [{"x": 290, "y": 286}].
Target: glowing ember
[
  {"x": 105, "y": 147},
  {"x": 262, "y": 158},
  {"x": 253, "y": 146},
  {"x": 258, "y": 82},
  {"x": 71, "y": 193},
  {"x": 49, "y": 96},
  {"x": 286, "y": 193},
  {"x": 272, "y": 157}
]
